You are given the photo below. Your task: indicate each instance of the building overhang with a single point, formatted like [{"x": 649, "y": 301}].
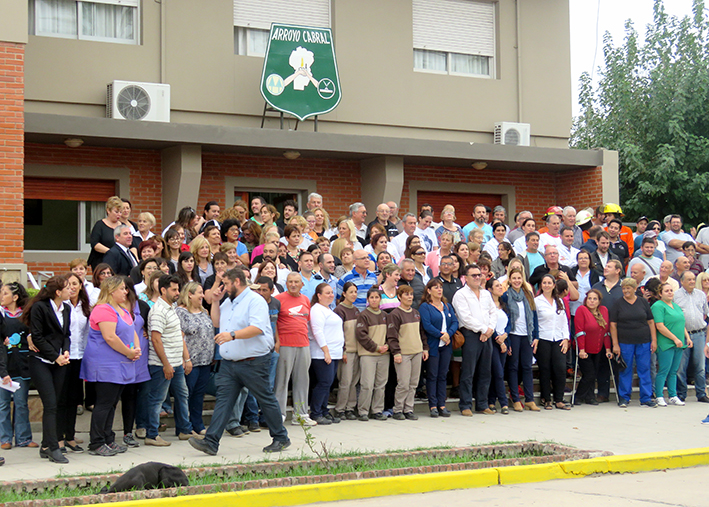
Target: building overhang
[{"x": 106, "y": 132}]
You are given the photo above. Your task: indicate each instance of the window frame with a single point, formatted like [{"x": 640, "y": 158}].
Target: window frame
[
  {"x": 243, "y": 32},
  {"x": 135, "y": 4},
  {"x": 83, "y": 240}
]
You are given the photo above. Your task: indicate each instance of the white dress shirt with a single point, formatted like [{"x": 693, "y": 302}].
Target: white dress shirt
[
  {"x": 567, "y": 256},
  {"x": 553, "y": 326},
  {"x": 477, "y": 314}
]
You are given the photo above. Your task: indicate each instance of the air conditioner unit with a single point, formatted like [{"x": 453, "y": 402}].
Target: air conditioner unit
[
  {"x": 515, "y": 134},
  {"x": 128, "y": 100}
]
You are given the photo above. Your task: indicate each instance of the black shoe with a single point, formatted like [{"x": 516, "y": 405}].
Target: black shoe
[
  {"x": 434, "y": 412},
  {"x": 63, "y": 450},
  {"x": 203, "y": 446},
  {"x": 338, "y": 415},
  {"x": 602, "y": 399},
  {"x": 363, "y": 417},
  {"x": 444, "y": 412},
  {"x": 277, "y": 446},
  {"x": 254, "y": 427},
  {"x": 238, "y": 431},
  {"x": 322, "y": 421},
  {"x": 399, "y": 416},
  {"x": 411, "y": 416},
  {"x": 262, "y": 424},
  {"x": 130, "y": 441},
  {"x": 333, "y": 418},
  {"x": 73, "y": 448},
  {"x": 56, "y": 456},
  {"x": 350, "y": 415},
  {"x": 379, "y": 417},
  {"x": 703, "y": 399},
  {"x": 592, "y": 401},
  {"x": 44, "y": 453}
]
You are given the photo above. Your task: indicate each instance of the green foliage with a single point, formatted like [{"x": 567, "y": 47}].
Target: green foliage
[{"x": 651, "y": 105}]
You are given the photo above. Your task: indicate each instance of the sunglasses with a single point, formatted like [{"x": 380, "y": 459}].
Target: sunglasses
[
  {"x": 420, "y": 253},
  {"x": 478, "y": 275}
]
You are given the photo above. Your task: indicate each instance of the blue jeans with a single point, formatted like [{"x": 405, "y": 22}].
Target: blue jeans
[
  {"x": 641, "y": 354},
  {"x": 141, "y": 407},
  {"x": 238, "y": 409},
  {"x": 197, "y": 385},
  {"x": 695, "y": 355},
  {"x": 497, "y": 383},
  {"x": 477, "y": 357},
  {"x": 246, "y": 405},
  {"x": 325, "y": 375},
  {"x": 233, "y": 376},
  {"x": 521, "y": 359},
  {"x": 436, "y": 376},
  {"x": 20, "y": 418},
  {"x": 158, "y": 387}
]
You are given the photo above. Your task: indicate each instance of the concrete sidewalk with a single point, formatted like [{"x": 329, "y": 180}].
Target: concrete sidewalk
[{"x": 605, "y": 427}]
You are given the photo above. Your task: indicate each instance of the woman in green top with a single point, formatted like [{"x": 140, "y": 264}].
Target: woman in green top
[{"x": 672, "y": 337}]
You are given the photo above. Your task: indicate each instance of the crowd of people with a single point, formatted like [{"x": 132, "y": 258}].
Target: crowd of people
[{"x": 253, "y": 305}]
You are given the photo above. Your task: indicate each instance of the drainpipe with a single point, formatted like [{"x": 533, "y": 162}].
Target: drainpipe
[{"x": 519, "y": 63}]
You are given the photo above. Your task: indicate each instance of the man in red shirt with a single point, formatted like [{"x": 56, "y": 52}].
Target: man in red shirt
[{"x": 294, "y": 360}]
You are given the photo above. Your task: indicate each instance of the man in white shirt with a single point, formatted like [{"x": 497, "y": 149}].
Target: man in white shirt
[
  {"x": 675, "y": 238},
  {"x": 477, "y": 317},
  {"x": 567, "y": 252},
  {"x": 399, "y": 241},
  {"x": 358, "y": 214},
  {"x": 551, "y": 237},
  {"x": 647, "y": 259}
]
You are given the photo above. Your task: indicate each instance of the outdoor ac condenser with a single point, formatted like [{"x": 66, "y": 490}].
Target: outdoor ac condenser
[
  {"x": 515, "y": 134},
  {"x": 128, "y": 100}
]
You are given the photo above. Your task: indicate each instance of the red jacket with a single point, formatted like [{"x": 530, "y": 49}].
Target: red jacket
[{"x": 590, "y": 336}]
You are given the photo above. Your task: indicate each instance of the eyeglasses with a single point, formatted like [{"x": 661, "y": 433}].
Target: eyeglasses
[
  {"x": 420, "y": 253},
  {"x": 446, "y": 264},
  {"x": 476, "y": 275}
]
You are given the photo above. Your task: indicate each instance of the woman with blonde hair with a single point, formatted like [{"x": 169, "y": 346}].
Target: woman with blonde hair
[
  {"x": 346, "y": 229},
  {"x": 102, "y": 238},
  {"x": 268, "y": 214},
  {"x": 199, "y": 336},
  {"x": 703, "y": 283},
  {"x": 448, "y": 225},
  {"x": 201, "y": 251},
  {"x": 112, "y": 349},
  {"x": 322, "y": 221}
]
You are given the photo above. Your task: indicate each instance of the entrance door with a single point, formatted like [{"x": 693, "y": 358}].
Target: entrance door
[{"x": 275, "y": 198}]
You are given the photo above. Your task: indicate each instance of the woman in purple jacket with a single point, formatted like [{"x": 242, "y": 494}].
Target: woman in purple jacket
[{"x": 111, "y": 360}]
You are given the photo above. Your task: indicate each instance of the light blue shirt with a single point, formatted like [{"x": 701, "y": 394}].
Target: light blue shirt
[
  {"x": 247, "y": 309},
  {"x": 309, "y": 286},
  {"x": 486, "y": 228},
  {"x": 332, "y": 282}
]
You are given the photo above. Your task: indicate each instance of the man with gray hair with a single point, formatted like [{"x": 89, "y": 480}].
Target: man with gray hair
[
  {"x": 517, "y": 232},
  {"x": 383, "y": 219},
  {"x": 499, "y": 214},
  {"x": 394, "y": 215},
  {"x": 694, "y": 306},
  {"x": 399, "y": 241},
  {"x": 314, "y": 201},
  {"x": 568, "y": 219},
  {"x": 119, "y": 256},
  {"x": 358, "y": 214}
]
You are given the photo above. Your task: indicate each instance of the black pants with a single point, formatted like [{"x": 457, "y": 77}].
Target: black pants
[
  {"x": 552, "y": 370},
  {"x": 477, "y": 357},
  {"x": 589, "y": 371},
  {"x": 90, "y": 400},
  {"x": 48, "y": 380},
  {"x": 107, "y": 396},
  {"x": 72, "y": 395},
  {"x": 129, "y": 404}
]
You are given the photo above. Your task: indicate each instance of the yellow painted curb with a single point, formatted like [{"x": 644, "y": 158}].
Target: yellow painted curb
[{"x": 442, "y": 481}]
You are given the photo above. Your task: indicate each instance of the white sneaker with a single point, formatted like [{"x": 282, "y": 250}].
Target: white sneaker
[
  {"x": 676, "y": 401},
  {"x": 661, "y": 402},
  {"x": 306, "y": 420}
]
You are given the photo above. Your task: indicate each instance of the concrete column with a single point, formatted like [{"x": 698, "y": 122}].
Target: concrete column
[
  {"x": 181, "y": 177},
  {"x": 382, "y": 181},
  {"x": 611, "y": 184}
]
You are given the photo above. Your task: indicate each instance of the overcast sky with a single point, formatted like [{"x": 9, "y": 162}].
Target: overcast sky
[{"x": 608, "y": 15}]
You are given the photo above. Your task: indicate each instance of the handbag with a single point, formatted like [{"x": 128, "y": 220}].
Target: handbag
[
  {"x": 458, "y": 340},
  {"x": 620, "y": 362}
]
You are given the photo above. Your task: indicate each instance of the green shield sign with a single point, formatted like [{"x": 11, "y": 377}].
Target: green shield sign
[{"x": 300, "y": 71}]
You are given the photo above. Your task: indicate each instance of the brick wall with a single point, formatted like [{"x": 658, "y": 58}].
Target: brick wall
[
  {"x": 535, "y": 191},
  {"x": 12, "y": 126},
  {"x": 337, "y": 180}
]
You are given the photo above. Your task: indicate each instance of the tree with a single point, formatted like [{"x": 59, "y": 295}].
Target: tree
[{"x": 651, "y": 104}]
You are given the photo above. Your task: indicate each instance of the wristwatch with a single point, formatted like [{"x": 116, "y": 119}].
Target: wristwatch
[{"x": 233, "y": 335}]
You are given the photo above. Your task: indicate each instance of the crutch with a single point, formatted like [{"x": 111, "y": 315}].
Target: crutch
[
  {"x": 576, "y": 369},
  {"x": 610, "y": 364}
]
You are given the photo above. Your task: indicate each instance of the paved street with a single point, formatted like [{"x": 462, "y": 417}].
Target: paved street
[
  {"x": 605, "y": 427},
  {"x": 684, "y": 487}
]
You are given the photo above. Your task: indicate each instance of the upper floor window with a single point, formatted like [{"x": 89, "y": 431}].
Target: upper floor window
[
  {"x": 97, "y": 20},
  {"x": 454, "y": 37},
  {"x": 253, "y": 18}
]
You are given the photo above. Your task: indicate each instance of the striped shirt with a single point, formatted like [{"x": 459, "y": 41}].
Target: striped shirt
[
  {"x": 163, "y": 319},
  {"x": 363, "y": 283}
]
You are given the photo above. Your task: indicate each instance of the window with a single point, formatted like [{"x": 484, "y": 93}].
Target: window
[
  {"x": 253, "y": 18},
  {"x": 56, "y": 217},
  {"x": 454, "y": 37},
  {"x": 98, "y": 20}
]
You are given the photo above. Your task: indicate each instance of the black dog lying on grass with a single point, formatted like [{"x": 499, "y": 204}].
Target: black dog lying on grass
[{"x": 150, "y": 475}]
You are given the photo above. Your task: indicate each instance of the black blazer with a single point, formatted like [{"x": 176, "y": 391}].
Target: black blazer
[
  {"x": 48, "y": 336},
  {"x": 118, "y": 260}
]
